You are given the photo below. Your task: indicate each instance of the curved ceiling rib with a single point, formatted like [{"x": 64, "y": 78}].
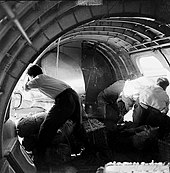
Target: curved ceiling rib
[
  {"x": 133, "y": 26},
  {"x": 15, "y": 21},
  {"x": 19, "y": 9},
  {"x": 145, "y": 34},
  {"x": 141, "y": 29},
  {"x": 121, "y": 30},
  {"x": 124, "y": 40}
]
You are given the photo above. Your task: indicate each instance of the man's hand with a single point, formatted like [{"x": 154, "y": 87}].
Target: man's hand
[
  {"x": 165, "y": 110},
  {"x": 26, "y": 87}
]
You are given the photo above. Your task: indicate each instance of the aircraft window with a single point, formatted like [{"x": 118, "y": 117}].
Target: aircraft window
[
  {"x": 17, "y": 100},
  {"x": 152, "y": 67}
]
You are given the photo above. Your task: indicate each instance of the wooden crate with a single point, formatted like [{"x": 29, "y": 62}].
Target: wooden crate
[{"x": 97, "y": 136}]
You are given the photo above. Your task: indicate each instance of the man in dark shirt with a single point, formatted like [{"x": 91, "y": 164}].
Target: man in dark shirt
[{"x": 107, "y": 100}]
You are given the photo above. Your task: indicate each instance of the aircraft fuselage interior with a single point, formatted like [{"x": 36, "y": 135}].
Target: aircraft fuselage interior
[{"x": 90, "y": 45}]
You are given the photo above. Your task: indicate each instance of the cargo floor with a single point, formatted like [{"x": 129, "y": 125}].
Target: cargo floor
[
  {"x": 90, "y": 164},
  {"x": 76, "y": 165}
]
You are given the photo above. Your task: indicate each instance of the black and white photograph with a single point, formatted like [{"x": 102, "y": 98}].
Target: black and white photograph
[{"x": 85, "y": 86}]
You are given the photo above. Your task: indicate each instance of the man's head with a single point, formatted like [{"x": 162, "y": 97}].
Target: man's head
[
  {"x": 34, "y": 70},
  {"x": 163, "y": 82}
]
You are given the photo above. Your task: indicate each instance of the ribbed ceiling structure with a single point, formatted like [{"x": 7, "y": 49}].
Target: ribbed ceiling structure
[
  {"x": 132, "y": 34},
  {"x": 29, "y": 27}
]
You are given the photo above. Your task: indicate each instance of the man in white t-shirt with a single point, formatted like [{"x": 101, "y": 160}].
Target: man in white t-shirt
[
  {"x": 66, "y": 106},
  {"x": 132, "y": 89},
  {"x": 152, "y": 105}
]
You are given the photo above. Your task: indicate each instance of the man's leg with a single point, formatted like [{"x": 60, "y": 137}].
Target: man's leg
[
  {"x": 139, "y": 115},
  {"x": 101, "y": 109},
  {"x": 57, "y": 116}
]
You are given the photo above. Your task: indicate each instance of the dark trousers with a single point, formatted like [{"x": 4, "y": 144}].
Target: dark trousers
[
  {"x": 152, "y": 117},
  {"x": 107, "y": 106},
  {"x": 139, "y": 115},
  {"x": 67, "y": 106}
]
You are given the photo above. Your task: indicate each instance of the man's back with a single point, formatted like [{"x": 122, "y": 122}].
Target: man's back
[
  {"x": 114, "y": 89},
  {"x": 155, "y": 97}
]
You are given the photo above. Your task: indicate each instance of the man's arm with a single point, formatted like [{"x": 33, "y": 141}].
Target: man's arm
[
  {"x": 166, "y": 109},
  {"x": 26, "y": 86}
]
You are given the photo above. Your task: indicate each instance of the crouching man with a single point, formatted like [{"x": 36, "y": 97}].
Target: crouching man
[{"x": 152, "y": 106}]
